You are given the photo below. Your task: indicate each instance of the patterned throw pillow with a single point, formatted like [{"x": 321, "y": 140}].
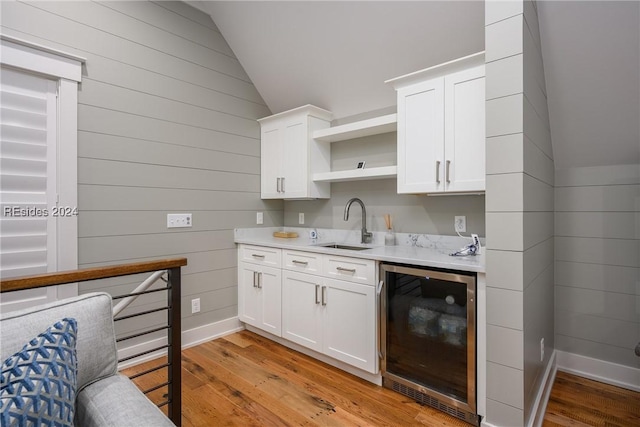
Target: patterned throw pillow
[{"x": 39, "y": 382}]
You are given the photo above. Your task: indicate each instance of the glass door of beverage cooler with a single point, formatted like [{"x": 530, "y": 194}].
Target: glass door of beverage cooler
[{"x": 428, "y": 334}]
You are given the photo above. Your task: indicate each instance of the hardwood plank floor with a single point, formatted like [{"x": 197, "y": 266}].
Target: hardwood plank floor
[
  {"x": 577, "y": 401},
  {"x": 244, "y": 379}
]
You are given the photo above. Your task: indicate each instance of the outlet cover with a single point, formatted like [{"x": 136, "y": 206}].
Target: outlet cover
[
  {"x": 195, "y": 305},
  {"x": 259, "y": 218},
  {"x": 460, "y": 224},
  {"x": 179, "y": 220},
  {"x": 301, "y": 218}
]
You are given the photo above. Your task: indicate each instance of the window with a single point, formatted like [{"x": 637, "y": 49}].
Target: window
[{"x": 38, "y": 155}]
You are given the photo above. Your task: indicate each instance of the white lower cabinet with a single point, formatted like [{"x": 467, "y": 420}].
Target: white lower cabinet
[
  {"x": 349, "y": 331},
  {"x": 302, "y": 310},
  {"x": 260, "y": 297},
  {"x": 331, "y": 316}
]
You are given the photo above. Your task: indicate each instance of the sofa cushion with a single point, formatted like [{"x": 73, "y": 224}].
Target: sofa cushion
[
  {"x": 96, "y": 341},
  {"x": 38, "y": 383},
  {"x": 116, "y": 401}
]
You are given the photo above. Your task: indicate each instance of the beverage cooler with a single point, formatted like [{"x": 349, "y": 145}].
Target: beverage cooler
[{"x": 428, "y": 336}]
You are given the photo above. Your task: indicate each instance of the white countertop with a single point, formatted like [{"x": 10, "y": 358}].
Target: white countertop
[{"x": 409, "y": 250}]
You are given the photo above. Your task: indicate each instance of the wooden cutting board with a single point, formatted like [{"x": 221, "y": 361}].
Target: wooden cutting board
[{"x": 285, "y": 234}]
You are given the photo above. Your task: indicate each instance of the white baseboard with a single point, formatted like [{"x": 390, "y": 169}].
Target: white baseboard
[
  {"x": 599, "y": 370},
  {"x": 190, "y": 338},
  {"x": 542, "y": 397}
]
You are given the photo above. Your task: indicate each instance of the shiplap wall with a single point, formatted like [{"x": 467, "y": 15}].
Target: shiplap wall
[
  {"x": 598, "y": 262},
  {"x": 166, "y": 124},
  {"x": 520, "y": 214}
]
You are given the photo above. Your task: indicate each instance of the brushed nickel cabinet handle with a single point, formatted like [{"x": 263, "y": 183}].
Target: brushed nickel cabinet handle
[
  {"x": 278, "y": 185},
  {"x": 282, "y": 184},
  {"x": 254, "y": 279},
  {"x": 448, "y": 168},
  {"x": 438, "y": 171},
  {"x": 346, "y": 270},
  {"x": 317, "y": 288},
  {"x": 257, "y": 256},
  {"x": 259, "y": 280},
  {"x": 324, "y": 295},
  {"x": 295, "y": 261}
]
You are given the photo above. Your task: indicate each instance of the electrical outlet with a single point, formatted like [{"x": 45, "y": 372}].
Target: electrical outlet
[
  {"x": 301, "y": 218},
  {"x": 259, "y": 218},
  {"x": 460, "y": 224},
  {"x": 179, "y": 220},
  {"x": 195, "y": 305},
  {"x": 542, "y": 350}
]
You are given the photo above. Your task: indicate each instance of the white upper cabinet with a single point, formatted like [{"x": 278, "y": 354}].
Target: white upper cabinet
[
  {"x": 289, "y": 155},
  {"x": 464, "y": 131},
  {"x": 441, "y": 128},
  {"x": 421, "y": 137}
]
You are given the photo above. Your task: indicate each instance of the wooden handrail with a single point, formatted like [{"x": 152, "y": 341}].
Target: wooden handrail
[{"x": 62, "y": 277}]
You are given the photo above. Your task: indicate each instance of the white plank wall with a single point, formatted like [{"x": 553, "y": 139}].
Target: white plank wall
[
  {"x": 598, "y": 262},
  {"x": 520, "y": 214},
  {"x": 167, "y": 123}
]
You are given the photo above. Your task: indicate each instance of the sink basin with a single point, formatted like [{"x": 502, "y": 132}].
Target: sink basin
[{"x": 347, "y": 247}]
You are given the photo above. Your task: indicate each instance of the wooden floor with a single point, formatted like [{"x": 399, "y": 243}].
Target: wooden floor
[
  {"x": 577, "y": 401},
  {"x": 246, "y": 380}
]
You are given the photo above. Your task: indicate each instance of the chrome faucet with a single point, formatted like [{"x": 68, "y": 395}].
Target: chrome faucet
[{"x": 366, "y": 235}]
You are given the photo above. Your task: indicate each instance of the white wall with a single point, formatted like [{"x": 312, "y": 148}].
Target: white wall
[
  {"x": 597, "y": 284},
  {"x": 520, "y": 180},
  {"x": 167, "y": 123},
  {"x": 411, "y": 214}
]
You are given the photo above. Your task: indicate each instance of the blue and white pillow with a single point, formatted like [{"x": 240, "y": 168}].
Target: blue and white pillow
[{"x": 39, "y": 382}]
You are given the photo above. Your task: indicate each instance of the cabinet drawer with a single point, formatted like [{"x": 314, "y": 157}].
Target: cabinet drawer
[
  {"x": 261, "y": 255},
  {"x": 351, "y": 269},
  {"x": 302, "y": 261}
]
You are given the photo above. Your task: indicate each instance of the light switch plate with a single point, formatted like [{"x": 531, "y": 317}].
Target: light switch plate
[
  {"x": 179, "y": 220},
  {"x": 300, "y": 217},
  {"x": 259, "y": 218}
]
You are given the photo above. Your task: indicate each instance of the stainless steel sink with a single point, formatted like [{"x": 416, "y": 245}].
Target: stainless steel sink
[{"x": 347, "y": 247}]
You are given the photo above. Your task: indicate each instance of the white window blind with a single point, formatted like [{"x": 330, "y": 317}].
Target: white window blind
[{"x": 27, "y": 173}]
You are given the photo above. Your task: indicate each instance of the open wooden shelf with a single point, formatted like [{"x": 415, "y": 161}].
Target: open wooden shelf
[
  {"x": 375, "y": 126},
  {"x": 383, "y": 172}
]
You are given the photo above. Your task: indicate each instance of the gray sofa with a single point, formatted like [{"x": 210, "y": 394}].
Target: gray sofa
[{"x": 104, "y": 397}]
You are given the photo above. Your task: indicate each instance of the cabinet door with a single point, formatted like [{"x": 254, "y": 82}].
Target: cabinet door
[
  {"x": 421, "y": 137},
  {"x": 249, "y": 296},
  {"x": 295, "y": 164},
  {"x": 350, "y": 323},
  {"x": 302, "y": 309},
  {"x": 270, "y": 155},
  {"x": 465, "y": 130},
  {"x": 270, "y": 287},
  {"x": 259, "y": 297}
]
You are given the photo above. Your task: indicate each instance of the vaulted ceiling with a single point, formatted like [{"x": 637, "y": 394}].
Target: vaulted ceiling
[{"x": 337, "y": 54}]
